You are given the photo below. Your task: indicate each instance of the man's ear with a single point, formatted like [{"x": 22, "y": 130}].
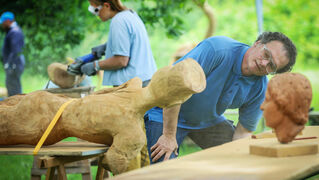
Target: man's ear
[{"x": 256, "y": 43}]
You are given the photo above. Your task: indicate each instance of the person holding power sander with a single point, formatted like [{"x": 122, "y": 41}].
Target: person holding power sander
[{"x": 128, "y": 53}]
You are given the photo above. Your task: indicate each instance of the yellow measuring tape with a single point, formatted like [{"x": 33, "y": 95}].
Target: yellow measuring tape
[{"x": 50, "y": 127}]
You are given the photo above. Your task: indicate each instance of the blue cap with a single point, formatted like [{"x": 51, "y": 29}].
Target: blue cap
[{"x": 6, "y": 16}]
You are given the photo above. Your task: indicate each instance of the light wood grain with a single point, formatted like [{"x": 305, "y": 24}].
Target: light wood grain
[
  {"x": 272, "y": 148},
  {"x": 58, "y": 149},
  {"x": 233, "y": 161}
]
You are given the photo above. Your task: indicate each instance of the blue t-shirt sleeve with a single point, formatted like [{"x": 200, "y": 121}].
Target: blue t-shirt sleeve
[
  {"x": 250, "y": 113},
  {"x": 121, "y": 41},
  {"x": 205, "y": 54}
]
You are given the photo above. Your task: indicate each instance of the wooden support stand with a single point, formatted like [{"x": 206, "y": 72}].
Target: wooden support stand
[
  {"x": 65, "y": 157},
  {"x": 275, "y": 149},
  {"x": 64, "y": 165},
  {"x": 79, "y": 167}
]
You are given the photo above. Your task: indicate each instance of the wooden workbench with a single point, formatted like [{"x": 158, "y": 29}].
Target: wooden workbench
[
  {"x": 233, "y": 161},
  {"x": 57, "y": 155}
]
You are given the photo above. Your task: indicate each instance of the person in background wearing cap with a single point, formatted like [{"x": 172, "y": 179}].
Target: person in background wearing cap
[
  {"x": 128, "y": 52},
  {"x": 13, "y": 59}
]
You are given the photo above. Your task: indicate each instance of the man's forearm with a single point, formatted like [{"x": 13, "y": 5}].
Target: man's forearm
[
  {"x": 241, "y": 132},
  {"x": 114, "y": 62},
  {"x": 170, "y": 118}
]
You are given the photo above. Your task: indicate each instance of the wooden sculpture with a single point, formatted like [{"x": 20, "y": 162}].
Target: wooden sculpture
[
  {"x": 208, "y": 11},
  {"x": 287, "y": 104},
  {"x": 111, "y": 116},
  {"x": 58, "y": 75}
]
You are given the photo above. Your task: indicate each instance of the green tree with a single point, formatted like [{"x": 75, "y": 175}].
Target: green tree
[
  {"x": 54, "y": 27},
  {"x": 50, "y": 27},
  {"x": 299, "y": 20}
]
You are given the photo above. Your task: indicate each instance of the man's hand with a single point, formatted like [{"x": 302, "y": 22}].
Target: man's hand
[
  {"x": 241, "y": 132},
  {"x": 89, "y": 69},
  {"x": 165, "y": 145}
]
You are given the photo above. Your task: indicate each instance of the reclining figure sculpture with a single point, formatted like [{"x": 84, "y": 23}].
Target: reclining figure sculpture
[{"x": 111, "y": 116}]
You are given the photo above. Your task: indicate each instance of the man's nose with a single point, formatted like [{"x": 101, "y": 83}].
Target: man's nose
[{"x": 264, "y": 62}]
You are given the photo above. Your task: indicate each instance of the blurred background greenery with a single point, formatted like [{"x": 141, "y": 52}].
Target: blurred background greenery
[{"x": 57, "y": 29}]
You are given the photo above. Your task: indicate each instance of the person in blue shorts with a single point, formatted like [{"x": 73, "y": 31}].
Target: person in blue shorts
[{"x": 236, "y": 79}]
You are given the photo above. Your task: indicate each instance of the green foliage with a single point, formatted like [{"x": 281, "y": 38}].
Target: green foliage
[
  {"x": 299, "y": 20},
  {"x": 166, "y": 12},
  {"x": 15, "y": 167},
  {"x": 51, "y": 28}
]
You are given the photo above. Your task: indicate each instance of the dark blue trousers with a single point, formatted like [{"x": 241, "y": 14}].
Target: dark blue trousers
[
  {"x": 13, "y": 81},
  {"x": 208, "y": 137}
]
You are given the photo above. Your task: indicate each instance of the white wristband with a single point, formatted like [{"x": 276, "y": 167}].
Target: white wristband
[{"x": 97, "y": 67}]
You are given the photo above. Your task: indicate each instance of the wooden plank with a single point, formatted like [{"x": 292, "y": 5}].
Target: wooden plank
[
  {"x": 73, "y": 170},
  {"x": 232, "y": 161},
  {"x": 275, "y": 149},
  {"x": 47, "y": 162},
  {"x": 58, "y": 149}
]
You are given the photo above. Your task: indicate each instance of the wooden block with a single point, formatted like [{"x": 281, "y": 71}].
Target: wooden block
[{"x": 275, "y": 149}]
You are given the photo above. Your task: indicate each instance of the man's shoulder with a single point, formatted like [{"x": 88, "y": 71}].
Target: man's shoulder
[
  {"x": 220, "y": 43},
  {"x": 221, "y": 39}
]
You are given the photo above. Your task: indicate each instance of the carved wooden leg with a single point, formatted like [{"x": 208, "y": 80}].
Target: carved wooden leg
[{"x": 125, "y": 147}]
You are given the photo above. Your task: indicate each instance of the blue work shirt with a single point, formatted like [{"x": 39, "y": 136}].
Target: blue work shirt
[
  {"x": 13, "y": 47},
  {"x": 128, "y": 37},
  {"x": 221, "y": 59}
]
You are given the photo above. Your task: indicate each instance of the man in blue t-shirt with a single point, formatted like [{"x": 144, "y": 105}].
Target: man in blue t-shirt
[
  {"x": 236, "y": 78},
  {"x": 13, "y": 59}
]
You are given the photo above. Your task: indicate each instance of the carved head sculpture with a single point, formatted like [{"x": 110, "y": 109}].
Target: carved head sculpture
[
  {"x": 183, "y": 80},
  {"x": 58, "y": 75},
  {"x": 287, "y": 104}
]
